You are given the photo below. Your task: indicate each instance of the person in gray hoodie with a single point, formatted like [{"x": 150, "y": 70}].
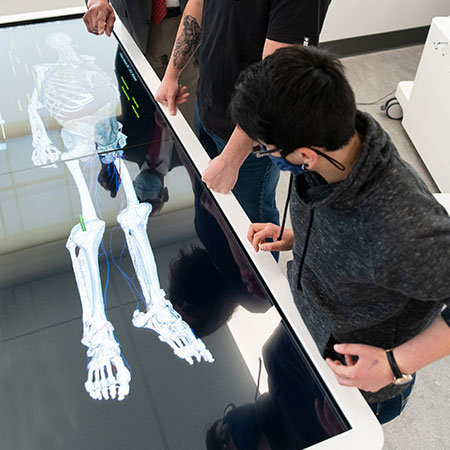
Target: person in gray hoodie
[{"x": 370, "y": 273}]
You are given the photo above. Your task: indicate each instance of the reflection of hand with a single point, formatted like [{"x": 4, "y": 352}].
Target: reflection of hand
[
  {"x": 100, "y": 17},
  {"x": 219, "y": 175},
  {"x": 327, "y": 417},
  {"x": 109, "y": 179},
  {"x": 170, "y": 93},
  {"x": 259, "y": 232},
  {"x": 248, "y": 277},
  {"x": 370, "y": 372}
]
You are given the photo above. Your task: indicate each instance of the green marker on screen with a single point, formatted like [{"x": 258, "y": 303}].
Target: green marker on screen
[{"x": 83, "y": 226}]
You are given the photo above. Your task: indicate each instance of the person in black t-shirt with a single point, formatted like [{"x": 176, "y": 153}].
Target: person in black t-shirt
[
  {"x": 154, "y": 37},
  {"x": 235, "y": 34}
]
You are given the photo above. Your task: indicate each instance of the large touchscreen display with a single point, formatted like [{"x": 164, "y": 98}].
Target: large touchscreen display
[{"x": 110, "y": 237}]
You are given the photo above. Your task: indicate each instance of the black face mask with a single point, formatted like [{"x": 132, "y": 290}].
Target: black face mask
[
  {"x": 244, "y": 427},
  {"x": 284, "y": 164},
  {"x": 297, "y": 170}
]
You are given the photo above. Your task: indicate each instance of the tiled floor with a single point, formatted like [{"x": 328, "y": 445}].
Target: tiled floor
[{"x": 423, "y": 424}]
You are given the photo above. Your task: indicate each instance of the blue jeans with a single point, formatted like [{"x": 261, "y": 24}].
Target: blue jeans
[
  {"x": 257, "y": 181},
  {"x": 390, "y": 409}
]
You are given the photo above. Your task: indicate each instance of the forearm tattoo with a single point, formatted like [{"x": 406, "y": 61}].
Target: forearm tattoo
[{"x": 187, "y": 42}]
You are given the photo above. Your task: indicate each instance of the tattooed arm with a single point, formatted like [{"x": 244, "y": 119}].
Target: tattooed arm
[
  {"x": 170, "y": 93},
  {"x": 222, "y": 172},
  {"x": 186, "y": 43}
]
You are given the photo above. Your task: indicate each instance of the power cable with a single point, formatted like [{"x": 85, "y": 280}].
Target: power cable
[{"x": 376, "y": 101}]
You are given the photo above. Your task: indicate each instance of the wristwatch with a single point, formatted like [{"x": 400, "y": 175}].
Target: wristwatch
[{"x": 399, "y": 377}]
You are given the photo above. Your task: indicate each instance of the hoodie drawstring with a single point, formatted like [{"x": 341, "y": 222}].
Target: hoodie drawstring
[
  {"x": 283, "y": 223},
  {"x": 305, "y": 248}
]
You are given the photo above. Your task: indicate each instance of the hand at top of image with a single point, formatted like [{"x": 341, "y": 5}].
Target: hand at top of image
[{"x": 99, "y": 17}]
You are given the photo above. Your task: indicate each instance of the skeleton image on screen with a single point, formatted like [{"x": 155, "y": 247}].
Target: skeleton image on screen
[{"x": 83, "y": 99}]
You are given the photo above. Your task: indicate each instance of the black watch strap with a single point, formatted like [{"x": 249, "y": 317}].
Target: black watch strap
[{"x": 393, "y": 363}]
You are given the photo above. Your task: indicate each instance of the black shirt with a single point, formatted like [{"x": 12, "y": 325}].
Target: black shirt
[{"x": 233, "y": 37}]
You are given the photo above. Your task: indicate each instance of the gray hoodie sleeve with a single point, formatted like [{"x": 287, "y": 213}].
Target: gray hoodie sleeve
[{"x": 410, "y": 244}]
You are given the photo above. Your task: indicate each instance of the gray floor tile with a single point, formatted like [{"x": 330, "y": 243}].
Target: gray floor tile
[
  {"x": 424, "y": 422},
  {"x": 375, "y": 75}
]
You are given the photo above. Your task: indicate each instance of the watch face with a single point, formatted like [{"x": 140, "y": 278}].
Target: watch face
[{"x": 403, "y": 380}]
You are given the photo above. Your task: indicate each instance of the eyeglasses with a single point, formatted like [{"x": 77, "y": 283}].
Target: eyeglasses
[
  {"x": 264, "y": 151},
  {"x": 224, "y": 433}
]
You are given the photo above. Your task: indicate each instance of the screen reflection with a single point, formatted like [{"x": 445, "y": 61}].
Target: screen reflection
[
  {"x": 208, "y": 284},
  {"x": 206, "y": 287},
  {"x": 292, "y": 415}
]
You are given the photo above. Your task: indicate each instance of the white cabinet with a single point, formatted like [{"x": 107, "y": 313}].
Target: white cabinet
[{"x": 426, "y": 103}]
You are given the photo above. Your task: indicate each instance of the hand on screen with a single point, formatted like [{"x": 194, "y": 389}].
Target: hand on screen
[
  {"x": 171, "y": 94},
  {"x": 100, "y": 17},
  {"x": 258, "y": 233},
  {"x": 366, "y": 367}
]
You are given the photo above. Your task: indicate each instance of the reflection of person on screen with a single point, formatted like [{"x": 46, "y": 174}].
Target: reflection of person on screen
[
  {"x": 155, "y": 160},
  {"x": 288, "y": 416},
  {"x": 150, "y": 143},
  {"x": 207, "y": 284},
  {"x": 148, "y": 184},
  {"x": 154, "y": 33}
]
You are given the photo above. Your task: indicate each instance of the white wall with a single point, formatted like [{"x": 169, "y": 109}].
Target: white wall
[
  {"x": 351, "y": 18},
  {"x": 22, "y": 6}
]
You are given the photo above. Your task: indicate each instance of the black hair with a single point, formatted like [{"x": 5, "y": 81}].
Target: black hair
[
  {"x": 212, "y": 441},
  {"x": 296, "y": 97}
]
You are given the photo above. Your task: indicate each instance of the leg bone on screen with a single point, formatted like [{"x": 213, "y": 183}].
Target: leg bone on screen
[
  {"x": 107, "y": 374},
  {"x": 159, "y": 315},
  {"x": 82, "y": 99}
]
